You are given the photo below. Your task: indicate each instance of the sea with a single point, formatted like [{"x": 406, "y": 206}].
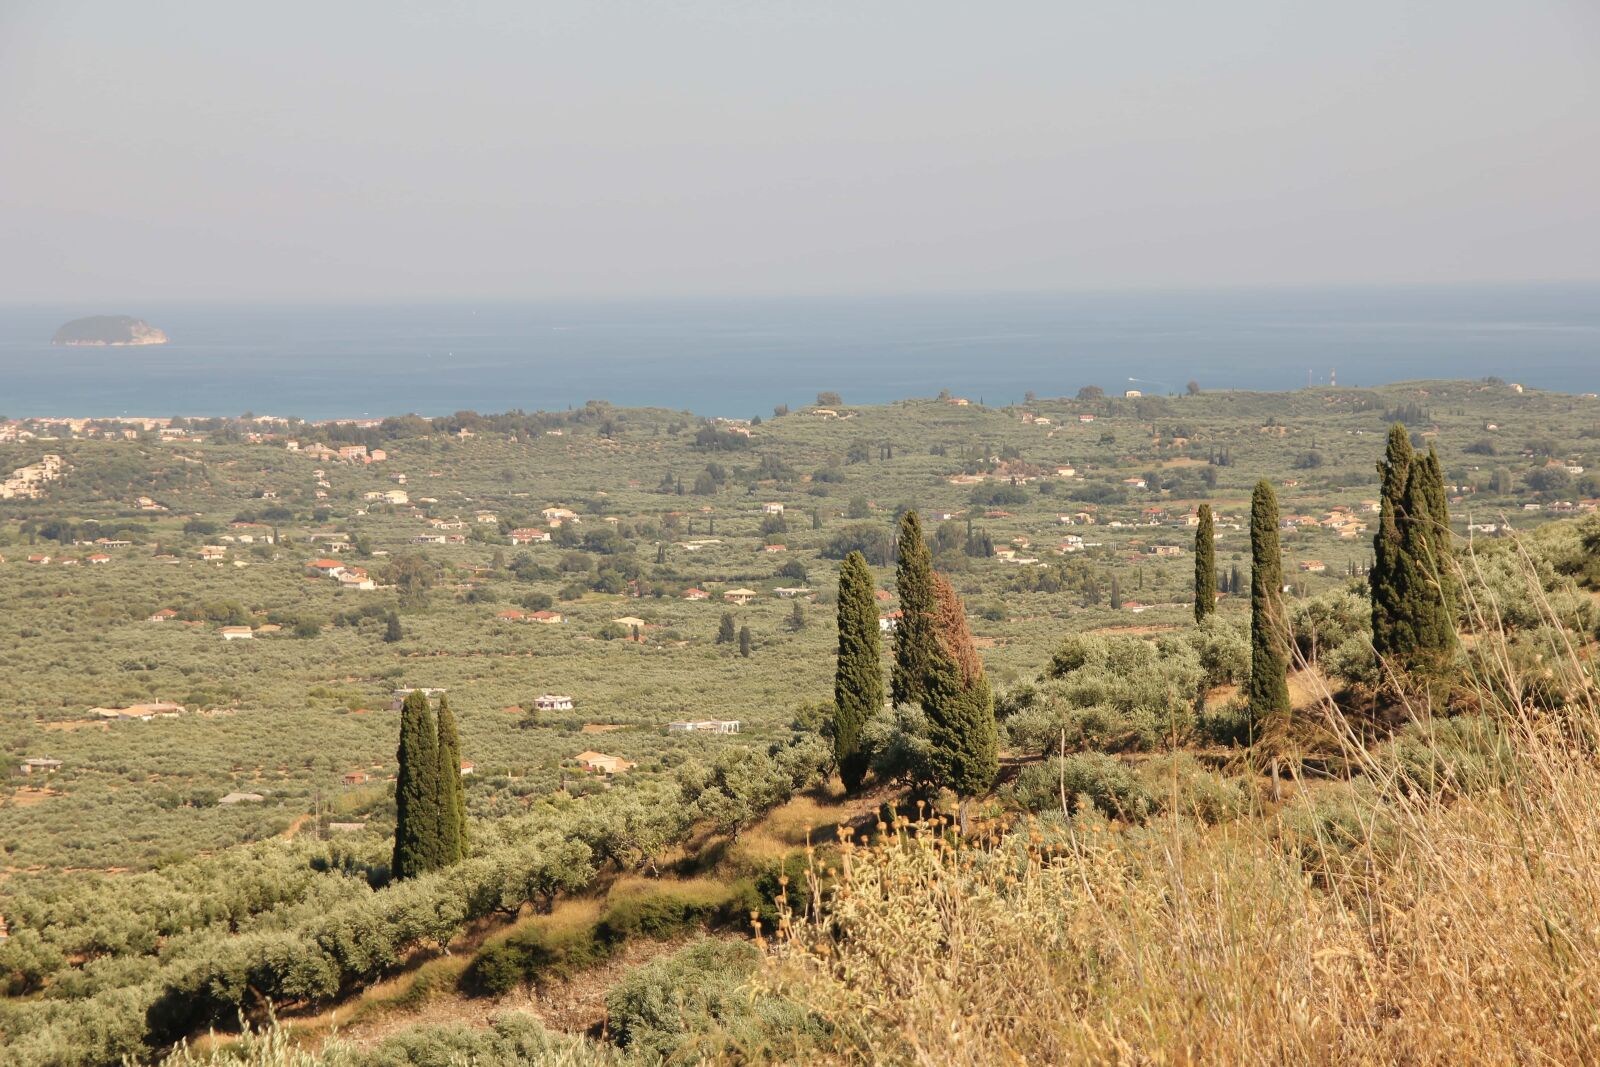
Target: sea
[{"x": 742, "y": 357}]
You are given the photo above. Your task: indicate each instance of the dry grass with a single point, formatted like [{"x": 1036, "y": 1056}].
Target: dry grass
[
  {"x": 1460, "y": 927},
  {"x": 811, "y": 817},
  {"x": 1477, "y": 941}
]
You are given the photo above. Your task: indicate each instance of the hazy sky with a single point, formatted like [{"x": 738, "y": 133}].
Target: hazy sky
[{"x": 359, "y": 151}]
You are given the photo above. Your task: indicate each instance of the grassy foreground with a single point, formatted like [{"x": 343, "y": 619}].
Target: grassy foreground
[{"x": 1436, "y": 905}]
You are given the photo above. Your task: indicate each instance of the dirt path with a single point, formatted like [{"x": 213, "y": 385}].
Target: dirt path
[
  {"x": 295, "y": 827},
  {"x": 425, "y": 992},
  {"x": 574, "y": 1006}
]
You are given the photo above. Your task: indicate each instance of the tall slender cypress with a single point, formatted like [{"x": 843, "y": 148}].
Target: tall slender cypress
[
  {"x": 914, "y": 638},
  {"x": 1439, "y": 519},
  {"x": 1205, "y": 566},
  {"x": 858, "y": 677},
  {"x": 1387, "y": 579},
  {"x": 1426, "y": 634},
  {"x": 963, "y": 753},
  {"x": 453, "y": 795},
  {"x": 1269, "y": 639},
  {"x": 416, "y": 832}
]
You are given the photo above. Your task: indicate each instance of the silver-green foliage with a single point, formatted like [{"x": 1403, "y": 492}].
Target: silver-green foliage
[
  {"x": 1113, "y": 693},
  {"x": 698, "y": 1004}
]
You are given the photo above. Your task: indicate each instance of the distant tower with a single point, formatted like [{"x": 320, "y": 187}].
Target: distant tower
[{"x": 1333, "y": 378}]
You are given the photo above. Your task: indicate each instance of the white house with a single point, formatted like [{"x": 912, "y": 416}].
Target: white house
[
  {"x": 161, "y": 709},
  {"x": 397, "y": 697},
  {"x": 710, "y": 726}
]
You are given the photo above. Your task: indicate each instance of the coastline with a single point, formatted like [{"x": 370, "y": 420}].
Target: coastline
[
  {"x": 367, "y": 420},
  {"x": 135, "y": 343}
]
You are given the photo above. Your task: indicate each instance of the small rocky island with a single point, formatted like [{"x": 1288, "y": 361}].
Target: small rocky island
[{"x": 109, "y": 330}]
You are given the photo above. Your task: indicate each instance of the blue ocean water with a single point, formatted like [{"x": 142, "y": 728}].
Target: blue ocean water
[{"x": 741, "y": 357}]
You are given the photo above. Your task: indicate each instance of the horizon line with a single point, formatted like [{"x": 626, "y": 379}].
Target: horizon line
[{"x": 1184, "y": 288}]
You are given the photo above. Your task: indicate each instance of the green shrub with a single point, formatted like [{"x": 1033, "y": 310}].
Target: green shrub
[
  {"x": 1451, "y": 756},
  {"x": 1180, "y": 784},
  {"x": 1326, "y": 825},
  {"x": 659, "y": 915},
  {"x": 534, "y": 955},
  {"x": 696, "y": 1004},
  {"x": 1113, "y": 693},
  {"x": 1089, "y": 778}
]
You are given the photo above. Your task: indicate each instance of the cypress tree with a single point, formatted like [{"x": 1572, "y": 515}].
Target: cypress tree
[
  {"x": 391, "y": 629},
  {"x": 1205, "y": 566},
  {"x": 725, "y": 631},
  {"x": 914, "y": 637},
  {"x": 1426, "y": 633},
  {"x": 963, "y": 740},
  {"x": 1116, "y": 594},
  {"x": 744, "y": 641},
  {"x": 1439, "y": 519},
  {"x": 416, "y": 832},
  {"x": 1269, "y": 646},
  {"x": 453, "y": 794},
  {"x": 1387, "y": 578},
  {"x": 858, "y": 676}
]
